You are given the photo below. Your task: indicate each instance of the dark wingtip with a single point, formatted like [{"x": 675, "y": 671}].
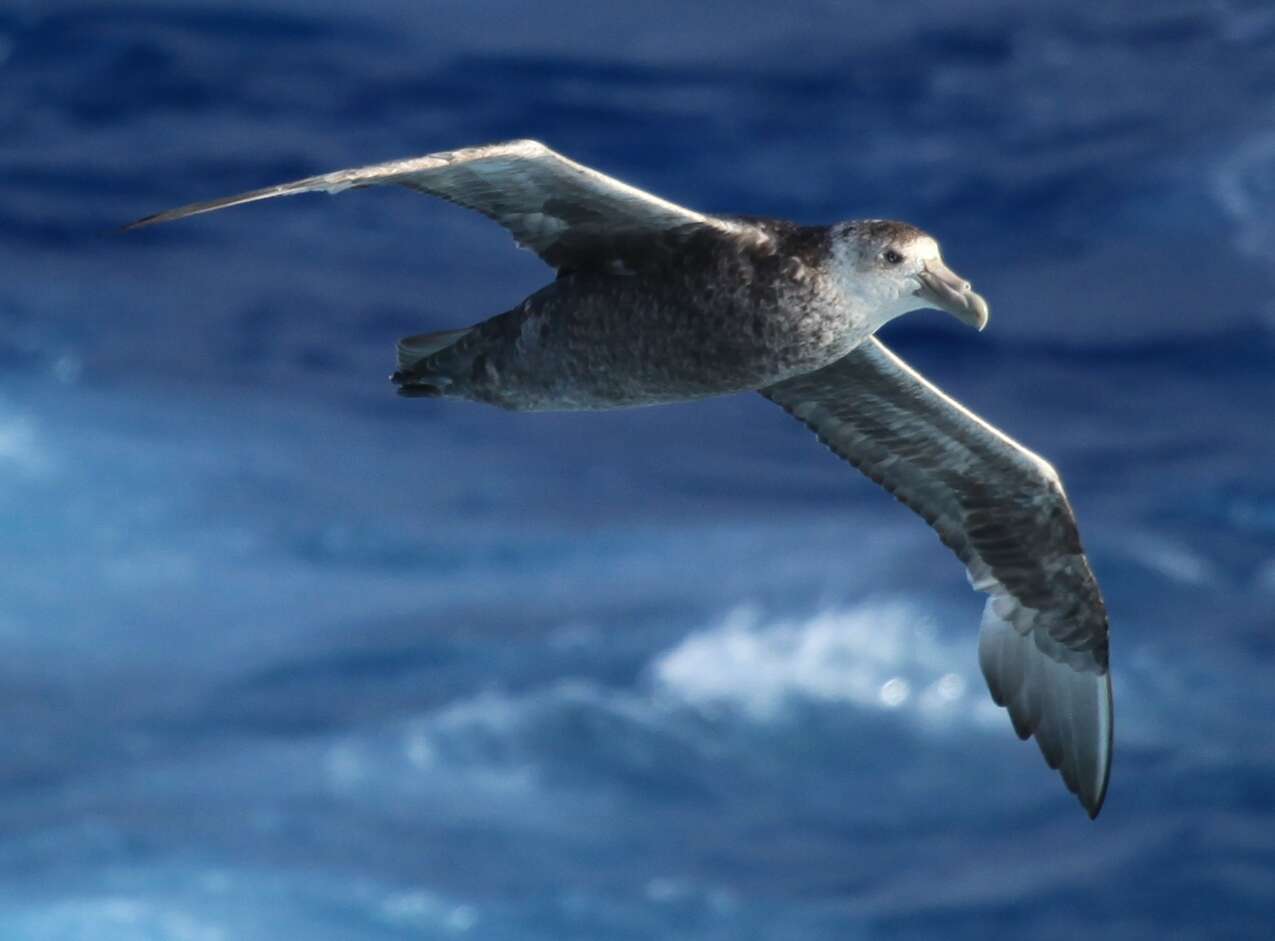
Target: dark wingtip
[
  {"x": 1093, "y": 805},
  {"x": 1093, "y": 802},
  {"x": 143, "y": 222}
]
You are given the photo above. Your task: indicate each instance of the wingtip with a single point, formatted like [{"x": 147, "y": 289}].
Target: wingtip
[
  {"x": 136, "y": 224},
  {"x": 1067, "y": 708},
  {"x": 1107, "y": 700},
  {"x": 1092, "y": 799},
  {"x": 1093, "y": 802}
]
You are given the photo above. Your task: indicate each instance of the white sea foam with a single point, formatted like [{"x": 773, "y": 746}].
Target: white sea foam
[
  {"x": 21, "y": 450},
  {"x": 878, "y": 656},
  {"x": 114, "y": 915},
  {"x": 1170, "y": 558},
  {"x": 422, "y": 910},
  {"x": 174, "y": 902},
  {"x": 1265, "y": 577},
  {"x": 1244, "y": 186}
]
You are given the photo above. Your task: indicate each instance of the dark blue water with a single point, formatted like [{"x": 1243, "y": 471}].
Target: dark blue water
[{"x": 286, "y": 656}]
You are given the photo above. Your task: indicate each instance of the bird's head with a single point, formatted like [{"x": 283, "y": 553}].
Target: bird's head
[{"x": 891, "y": 268}]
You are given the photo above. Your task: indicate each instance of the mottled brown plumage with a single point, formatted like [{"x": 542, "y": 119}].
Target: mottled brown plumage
[
  {"x": 656, "y": 303},
  {"x": 682, "y": 314}
]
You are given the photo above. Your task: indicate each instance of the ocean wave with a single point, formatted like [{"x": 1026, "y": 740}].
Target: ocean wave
[
  {"x": 22, "y": 450},
  {"x": 1244, "y": 185},
  {"x": 286, "y": 657},
  {"x": 875, "y": 656},
  {"x": 185, "y": 900},
  {"x": 710, "y": 700}
]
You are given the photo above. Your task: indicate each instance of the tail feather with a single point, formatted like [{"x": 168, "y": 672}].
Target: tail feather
[
  {"x": 414, "y": 377},
  {"x": 411, "y": 350}
]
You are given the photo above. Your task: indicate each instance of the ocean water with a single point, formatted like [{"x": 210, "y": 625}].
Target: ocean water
[{"x": 287, "y": 656}]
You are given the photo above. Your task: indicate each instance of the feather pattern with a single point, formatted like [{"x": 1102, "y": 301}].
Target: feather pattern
[
  {"x": 554, "y": 206},
  {"x": 1043, "y": 644}
]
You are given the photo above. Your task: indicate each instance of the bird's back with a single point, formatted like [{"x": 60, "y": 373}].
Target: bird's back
[{"x": 680, "y": 316}]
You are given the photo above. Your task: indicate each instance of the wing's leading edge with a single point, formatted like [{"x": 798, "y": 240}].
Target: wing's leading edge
[{"x": 552, "y": 205}]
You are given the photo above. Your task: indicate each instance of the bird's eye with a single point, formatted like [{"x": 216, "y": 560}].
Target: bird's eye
[{"x": 891, "y": 257}]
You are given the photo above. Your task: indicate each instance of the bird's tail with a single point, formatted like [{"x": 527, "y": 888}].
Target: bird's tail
[
  {"x": 411, "y": 350},
  {"x": 413, "y": 378}
]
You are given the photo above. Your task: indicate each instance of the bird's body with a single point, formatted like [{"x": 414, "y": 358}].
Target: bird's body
[
  {"x": 680, "y": 315},
  {"x": 656, "y": 303}
]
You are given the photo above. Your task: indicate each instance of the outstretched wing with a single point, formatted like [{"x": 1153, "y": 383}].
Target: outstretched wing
[
  {"x": 1002, "y": 510},
  {"x": 557, "y": 208}
]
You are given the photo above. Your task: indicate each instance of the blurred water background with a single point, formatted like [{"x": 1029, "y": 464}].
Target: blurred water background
[{"x": 286, "y": 656}]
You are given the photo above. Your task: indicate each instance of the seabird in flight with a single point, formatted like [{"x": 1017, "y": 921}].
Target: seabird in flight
[{"x": 656, "y": 303}]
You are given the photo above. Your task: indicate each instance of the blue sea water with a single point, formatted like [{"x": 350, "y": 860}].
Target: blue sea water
[{"x": 287, "y": 656}]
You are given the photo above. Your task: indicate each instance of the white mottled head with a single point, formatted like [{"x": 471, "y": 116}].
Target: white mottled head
[{"x": 890, "y": 268}]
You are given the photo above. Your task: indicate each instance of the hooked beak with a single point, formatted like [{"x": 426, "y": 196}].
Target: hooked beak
[{"x": 943, "y": 288}]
